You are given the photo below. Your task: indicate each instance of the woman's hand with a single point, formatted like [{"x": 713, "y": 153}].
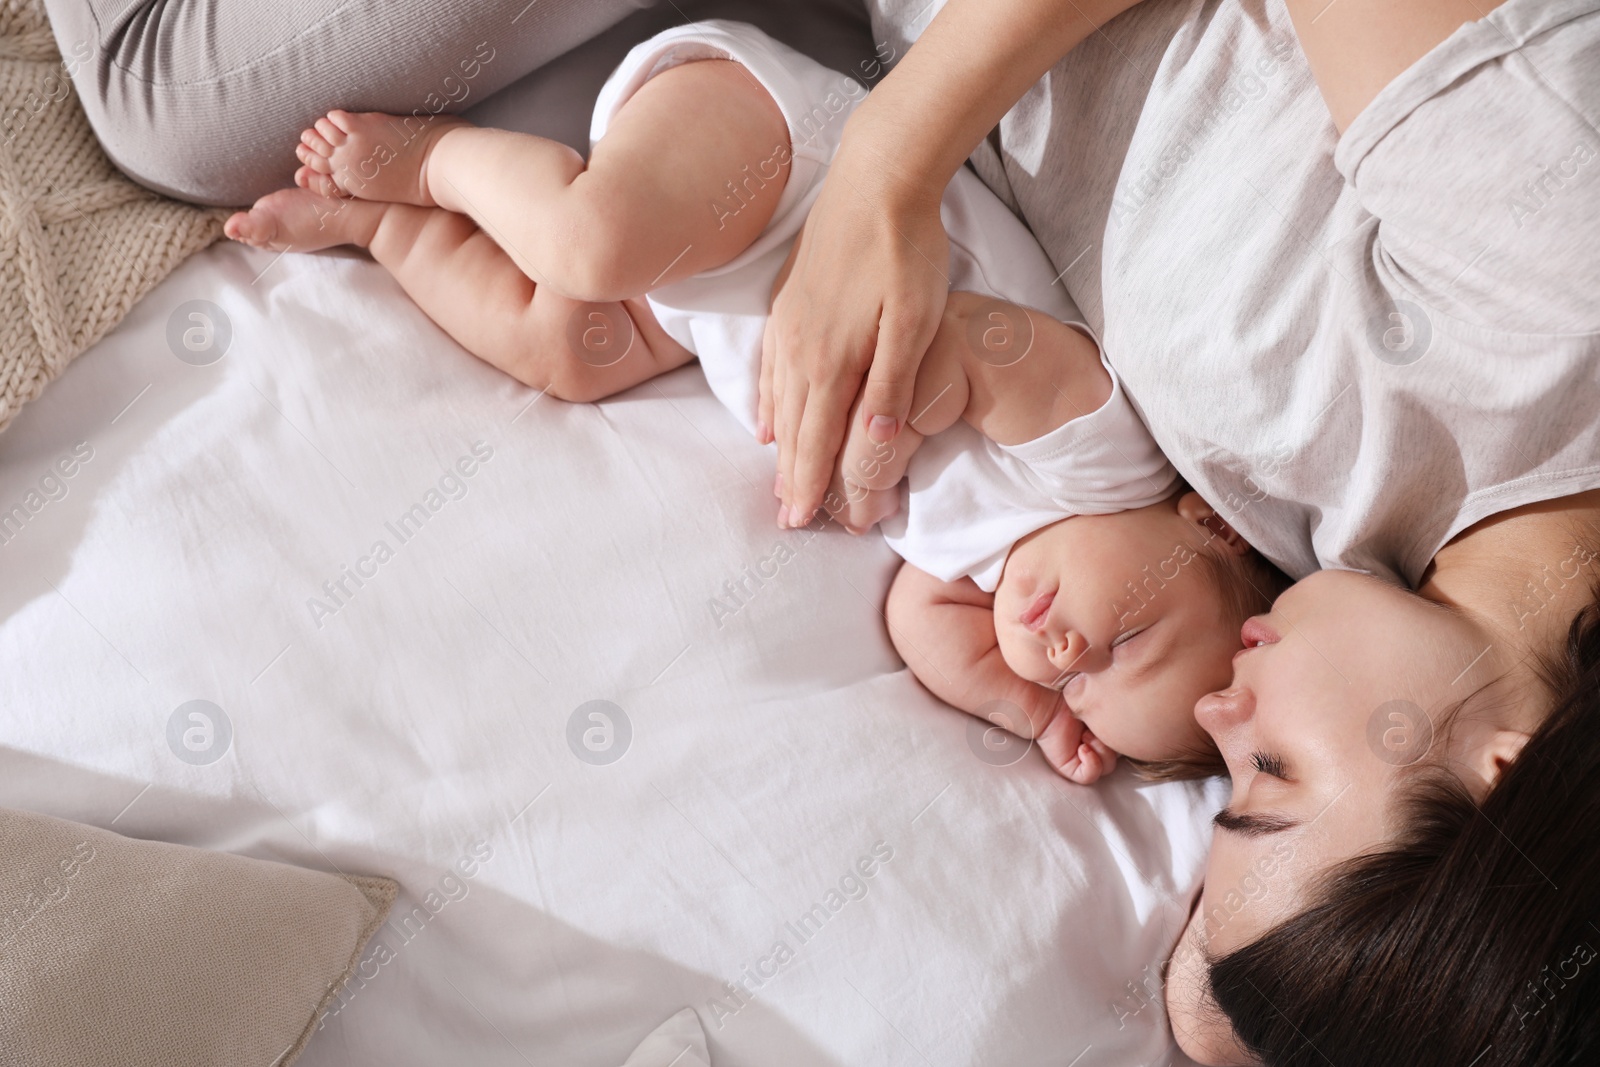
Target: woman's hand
[
  {"x": 867, "y": 277},
  {"x": 866, "y": 286}
]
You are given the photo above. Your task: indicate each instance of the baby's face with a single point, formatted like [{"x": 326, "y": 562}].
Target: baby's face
[{"x": 1119, "y": 612}]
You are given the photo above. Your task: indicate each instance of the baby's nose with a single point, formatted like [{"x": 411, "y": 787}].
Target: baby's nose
[{"x": 1074, "y": 652}]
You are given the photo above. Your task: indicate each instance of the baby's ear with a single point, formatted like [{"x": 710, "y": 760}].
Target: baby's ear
[{"x": 1193, "y": 508}]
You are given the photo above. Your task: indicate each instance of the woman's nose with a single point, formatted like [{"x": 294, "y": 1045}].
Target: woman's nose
[{"x": 1216, "y": 712}]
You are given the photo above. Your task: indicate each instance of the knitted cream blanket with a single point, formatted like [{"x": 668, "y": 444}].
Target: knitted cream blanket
[{"x": 79, "y": 243}]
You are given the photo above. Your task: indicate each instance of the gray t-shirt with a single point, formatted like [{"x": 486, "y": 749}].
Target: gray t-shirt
[{"x": 1354, "y": 347}]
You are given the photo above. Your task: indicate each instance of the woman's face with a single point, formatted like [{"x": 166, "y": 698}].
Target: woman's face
[{"x": 1329, "y": 706}]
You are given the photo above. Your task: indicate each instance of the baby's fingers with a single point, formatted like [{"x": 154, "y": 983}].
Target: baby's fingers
[
  {"x": 1058, "y": 733},
  {"x": 859, "y": 509},
  {"x": 1063, "y": 744},
  {"x": 1094, "y": 760}
]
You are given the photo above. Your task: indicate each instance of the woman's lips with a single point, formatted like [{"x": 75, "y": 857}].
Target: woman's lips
[
  {"x": 1256, "y": 632},
  {"x": 1033, "y": 619}
]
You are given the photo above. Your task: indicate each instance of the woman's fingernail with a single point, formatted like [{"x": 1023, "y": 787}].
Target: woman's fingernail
[
  {"x": 783, "y": 517},
  {"x": 882, "y": 428},
  {"x": 763, "y": 433}
]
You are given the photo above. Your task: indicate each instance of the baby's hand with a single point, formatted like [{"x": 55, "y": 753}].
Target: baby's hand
[
  {"x": 857, "y": 508},
  {"x": 1076, "y": 753},
  {"x": 865, "y": 487}
]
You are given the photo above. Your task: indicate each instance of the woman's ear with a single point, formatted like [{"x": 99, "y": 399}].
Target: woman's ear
[
  {"x": 1193, "y": 508},
  {"x": 1489, "y": 757}
]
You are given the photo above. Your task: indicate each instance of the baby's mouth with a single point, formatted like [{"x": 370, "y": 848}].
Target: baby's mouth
[
  {"x": 1061, "y": 681},
  {"x": 1032, "y": 619}
]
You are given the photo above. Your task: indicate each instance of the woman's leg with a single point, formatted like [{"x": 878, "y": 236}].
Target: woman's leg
[{"x": 204, "y": 100}]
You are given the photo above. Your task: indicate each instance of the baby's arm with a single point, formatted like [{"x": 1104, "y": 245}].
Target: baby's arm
[
  {"x": 1013, "y": 373},
  {"x": 945, "y": 633}
]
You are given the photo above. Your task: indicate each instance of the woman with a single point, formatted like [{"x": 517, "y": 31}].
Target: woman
[
  {"x": 1376, "y": 351},
  {"x": 1357, "y": 317}
]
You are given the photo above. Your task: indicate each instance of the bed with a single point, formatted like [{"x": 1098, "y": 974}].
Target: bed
[{"x": 322, "y": 588}]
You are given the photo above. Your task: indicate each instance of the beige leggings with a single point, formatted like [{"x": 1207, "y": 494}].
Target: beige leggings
[{"x": 205, "y": 100}]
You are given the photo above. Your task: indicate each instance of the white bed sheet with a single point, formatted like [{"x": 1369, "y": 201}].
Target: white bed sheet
[{"x": 424, "y": 722}]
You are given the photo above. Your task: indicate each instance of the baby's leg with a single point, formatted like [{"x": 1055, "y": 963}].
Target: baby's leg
[
  {"x": 463, "y": 281},
  {"x": 686, "y": 177}
]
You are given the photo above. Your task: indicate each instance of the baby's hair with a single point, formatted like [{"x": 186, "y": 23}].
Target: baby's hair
[{"x": 1248, "y": 585}]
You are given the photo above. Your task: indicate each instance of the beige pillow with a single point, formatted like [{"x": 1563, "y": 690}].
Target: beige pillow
[
  {"x": 79, "y": 242},
  {"x": 135, "y": 953}
]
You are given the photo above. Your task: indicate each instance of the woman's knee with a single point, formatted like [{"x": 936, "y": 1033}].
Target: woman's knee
[
  {"x": 194, "y": 134},
  {"x": 204, "y": 100}
]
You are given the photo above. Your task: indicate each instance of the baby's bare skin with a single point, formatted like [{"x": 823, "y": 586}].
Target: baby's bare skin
[
  {"x": 371, "y": 155},
  {"x": 521, "y": 250}
]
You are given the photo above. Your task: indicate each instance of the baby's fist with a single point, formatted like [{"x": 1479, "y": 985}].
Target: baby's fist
[
  {"x": 857, "y": 508},
  {"x": 1074, "y": 751}
]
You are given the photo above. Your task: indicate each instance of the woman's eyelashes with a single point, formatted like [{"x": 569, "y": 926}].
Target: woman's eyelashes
[{"x": 1269, "y": 764}]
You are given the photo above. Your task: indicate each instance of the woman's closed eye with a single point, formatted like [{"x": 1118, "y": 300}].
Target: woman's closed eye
[{"x": 1269, "y": 764}]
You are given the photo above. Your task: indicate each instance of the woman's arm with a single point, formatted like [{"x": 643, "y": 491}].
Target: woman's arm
[
  {"x": 867, "y": 278},
  {"x": 1356, "y": 47}
]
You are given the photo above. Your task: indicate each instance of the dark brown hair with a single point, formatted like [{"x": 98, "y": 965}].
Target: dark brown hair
[
  {"x": 1473, "y": 940},
  {"x": 1248, "y": 585}
]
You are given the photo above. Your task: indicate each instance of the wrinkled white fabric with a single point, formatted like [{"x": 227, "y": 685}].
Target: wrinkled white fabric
[
  {"x": 433, "y": 720},
  {"x": 678, "y": 1042}
]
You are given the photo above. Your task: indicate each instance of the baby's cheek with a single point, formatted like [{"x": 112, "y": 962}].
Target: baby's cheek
[{"x": 1025, "y": 658}]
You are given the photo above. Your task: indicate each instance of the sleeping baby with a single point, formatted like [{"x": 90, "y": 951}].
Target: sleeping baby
[{"x": 1058, "y": 578}]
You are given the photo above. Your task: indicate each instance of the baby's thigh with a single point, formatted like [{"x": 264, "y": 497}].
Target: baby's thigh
[{"x": 693, "y": 163}]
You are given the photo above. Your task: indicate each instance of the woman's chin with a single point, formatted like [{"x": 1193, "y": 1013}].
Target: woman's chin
[
  {"x": 1211, "y": 1049},
  {"x": 1203, "y": 1032}
]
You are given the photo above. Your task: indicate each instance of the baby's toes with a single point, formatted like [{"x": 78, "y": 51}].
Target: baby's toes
[
  {"x": 315, "y": 141},
  {"x": 352, "y": 123},
  {"x": 333, "y": 134},
  {"x": 319, "y": 163},
  {"x": 317, "y": 182},
  {"x": 254, "y": 227}
]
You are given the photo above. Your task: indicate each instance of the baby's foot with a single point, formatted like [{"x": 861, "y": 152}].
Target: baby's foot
[
  {"x": 371, "y": 155},
  {"x": 296, "y": 220}
]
